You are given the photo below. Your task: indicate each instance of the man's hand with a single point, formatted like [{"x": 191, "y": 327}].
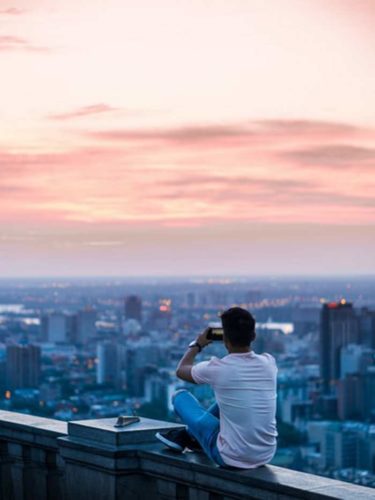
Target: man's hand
[{"x": 202, "y": 338}]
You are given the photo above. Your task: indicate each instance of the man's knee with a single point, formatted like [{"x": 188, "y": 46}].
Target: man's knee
[{"x": 179, "y": 391}]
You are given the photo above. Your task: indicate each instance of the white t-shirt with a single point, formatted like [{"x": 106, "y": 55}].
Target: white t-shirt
[{"x": 245, "y": 390}]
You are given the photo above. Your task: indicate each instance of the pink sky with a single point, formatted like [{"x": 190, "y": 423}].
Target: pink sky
[{"x": 187, "y": 137}]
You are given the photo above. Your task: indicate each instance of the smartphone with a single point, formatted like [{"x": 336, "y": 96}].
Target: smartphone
[
  {"x": 124, "y": 420},
  {"x": 215, "y": 332}
]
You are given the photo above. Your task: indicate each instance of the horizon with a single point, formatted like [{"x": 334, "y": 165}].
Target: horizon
[{"x": 221, "y": 279}]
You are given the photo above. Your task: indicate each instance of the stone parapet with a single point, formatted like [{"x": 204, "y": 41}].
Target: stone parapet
[{"x": 45, "y": 459}]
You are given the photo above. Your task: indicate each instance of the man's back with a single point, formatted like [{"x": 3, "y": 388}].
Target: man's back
[{"x": 245, "y": 390}]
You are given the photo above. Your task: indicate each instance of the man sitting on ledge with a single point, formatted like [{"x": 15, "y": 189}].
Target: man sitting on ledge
[{"x": 239, "y": 430}]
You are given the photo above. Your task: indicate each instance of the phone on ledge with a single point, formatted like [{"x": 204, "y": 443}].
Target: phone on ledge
[
  {"x": 124, "y": 420},
  {"x": 215, "y": 332}
]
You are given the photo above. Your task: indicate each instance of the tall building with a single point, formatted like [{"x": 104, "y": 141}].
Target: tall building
[
  {"x": 367, "y": 327},
  {"x": 339, "y": 446},
  {"x": 84, "y": 324},
  {"x": 111, "y": 364},
  {"x": 133, "y": 308},
  {"x": 161, "y": 317},
  {"x": 338, "y": 328},
  {"x": 54, "y": 328},
  {"x": 140, "y": 356},
  {"x": 22, "y": 366}
]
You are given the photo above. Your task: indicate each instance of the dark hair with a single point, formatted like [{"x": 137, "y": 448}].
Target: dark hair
[{"x": 238, "y": 326}]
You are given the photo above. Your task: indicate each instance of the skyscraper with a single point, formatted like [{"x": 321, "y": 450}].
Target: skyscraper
[
  {"x": 338, "y": 328},
  {"x": 367, "y": 327},
  {"x": 22, "y": 366},
  {"x": 85, "y": 325},
  {"x": 111, "y": 364},
  {"x": 54, "y": 328},
  {"x": 133, "y": 308}
]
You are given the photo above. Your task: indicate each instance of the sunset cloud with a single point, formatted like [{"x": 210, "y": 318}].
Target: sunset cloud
[
  {"x": 16, "y": 43},
  {"x": 93, "y": 109},
  {"x": 255, "y": 131},
  {"x": 11, "y": 11},
  {"x": 255, "y": 179},
  {"x": 336, "y": 156}
]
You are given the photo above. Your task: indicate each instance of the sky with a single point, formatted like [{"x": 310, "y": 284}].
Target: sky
[{"x": 187, "y": 137}]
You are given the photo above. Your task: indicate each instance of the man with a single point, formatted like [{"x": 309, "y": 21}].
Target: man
[{"x": 239, "y": 430}]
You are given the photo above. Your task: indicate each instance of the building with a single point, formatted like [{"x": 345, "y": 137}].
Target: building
[
  {"x": 160, "y": 318},
  {"x": 367, "y": 327},
  {"x": 350, "y": 397},
  {"x": 85, "y": 325},
  {"x": 54, "y": 328},
  {"x": 355, "y": 388},
  {"x": 338, "y": 328},
  {"x": 22, "y": 366},
  {"x": 339, "y": 447},
  {"x": 141, "y": 355},
  {"x": 111, "y": 364},
  {"x": 133, "y": 308}
]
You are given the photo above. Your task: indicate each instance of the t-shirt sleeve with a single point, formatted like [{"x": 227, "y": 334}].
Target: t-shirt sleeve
[
  {"x": 271, "y": 359},
  {"x": 203, "y": 373}
]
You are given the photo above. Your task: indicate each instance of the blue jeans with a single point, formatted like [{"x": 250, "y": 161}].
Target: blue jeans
[{"x": 203, "y": 424}]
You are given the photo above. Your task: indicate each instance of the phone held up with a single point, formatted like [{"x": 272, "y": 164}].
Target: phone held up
[{"x": 215, "y": 331}]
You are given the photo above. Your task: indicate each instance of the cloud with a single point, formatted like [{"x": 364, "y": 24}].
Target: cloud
[
  {"x": 187, "y": 174},
  {"x": 307, "y": 127},
  {"x": 252, "y": 132},
  {"x": 83, "y": 111},
  {"x": 335, "y": 155},
  {"x": 11, "y": 11},
  {"x": 16, "y": 43},
  {"x": 234, "y": 183},
  {"x": 266, "y": 191},
  {"x": 194, "y": 133}
]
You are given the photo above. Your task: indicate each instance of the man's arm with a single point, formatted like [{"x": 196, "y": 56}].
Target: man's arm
[{"x": 186, "y": 364}]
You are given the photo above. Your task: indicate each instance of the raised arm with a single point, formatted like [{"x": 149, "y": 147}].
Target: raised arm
[{"x": 186, "y": 364}]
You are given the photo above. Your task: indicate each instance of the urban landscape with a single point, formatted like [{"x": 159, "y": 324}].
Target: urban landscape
[{"x": 74, "y": 349}]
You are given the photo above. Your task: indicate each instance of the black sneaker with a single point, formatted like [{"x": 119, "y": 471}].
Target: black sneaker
[
  {"x": 193, "y": 444},
  {"x": 176, "y": 439}
]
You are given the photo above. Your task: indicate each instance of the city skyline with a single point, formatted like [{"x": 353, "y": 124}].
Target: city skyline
[{"x": 187, "y": 138}]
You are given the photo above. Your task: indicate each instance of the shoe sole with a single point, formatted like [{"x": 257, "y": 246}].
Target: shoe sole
[{"x": 168, "y": 443}]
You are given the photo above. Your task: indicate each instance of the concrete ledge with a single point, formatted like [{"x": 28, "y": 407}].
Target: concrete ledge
[
  {"x": 104, "y": 432},
  {"x": 92, "y": 459},
  {"x": 39, "y": 431},
  {"x": 268, "y": 482}
]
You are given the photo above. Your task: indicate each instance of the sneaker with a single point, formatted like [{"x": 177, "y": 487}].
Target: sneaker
[
  {"x": 193, "y": 444},
  {"x": 176, "y": 439}
]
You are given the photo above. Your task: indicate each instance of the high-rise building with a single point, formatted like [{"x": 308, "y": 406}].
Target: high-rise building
[
  {"x": 160, "y": 318},
  {"x": 133, "y": 308},
  {"x": 54, "y": 328},
  {"x": 350, "y": 397},
  {"x": 338, "y": 328},
  {"x": 339, "y": 447},
  {"x": 85, "y": 327},
  {"x": 140, "y": 356},
  {"x": 111, "y": 364},
  {"x": 367, "y": 327},
  {"x": 22, "y": 366}
]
